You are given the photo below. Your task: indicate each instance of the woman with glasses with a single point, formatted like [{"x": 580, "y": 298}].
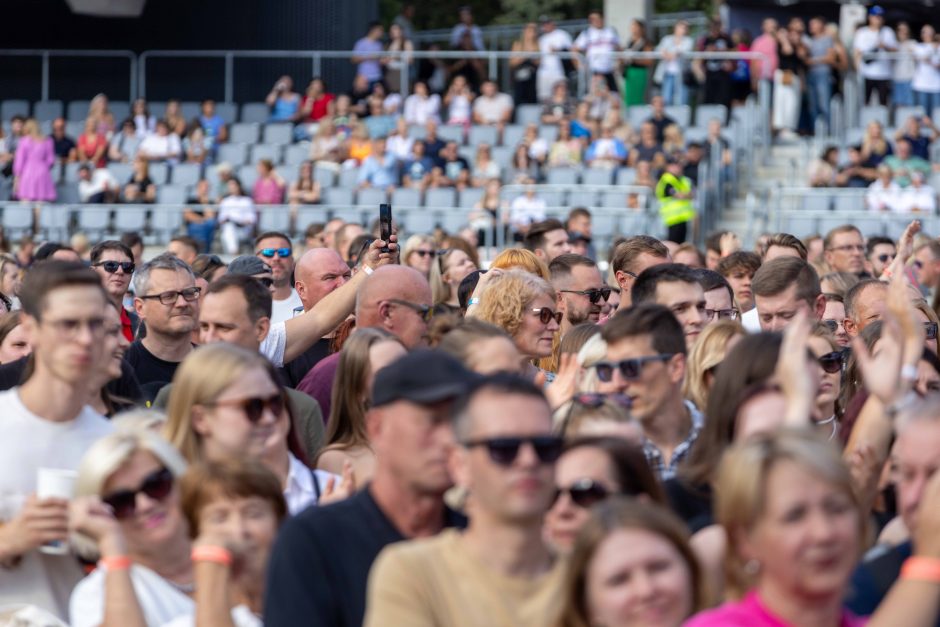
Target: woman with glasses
[
  {"x": 226, "y": 401},
  {"x": 824, "y": 347},
  {"x": 449, "y": 269},
  {"x": 419, "y": 253},
  {"x": 366, "y": 352},
  {"x": 631, "y": 566}
]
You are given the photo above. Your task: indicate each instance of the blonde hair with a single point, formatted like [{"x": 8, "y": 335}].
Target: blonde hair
[
  {"x": 413, "y": 243},
  {"x": 523, "y": 259},
  {"x": 440, "y": 289},
  {"x": 505, "y": 299},
  {"x": 137, "y": 418},
  {"x": 709, "y": 351},
  {"x": 921, "y": 305},
  {"x": 741, "y": 488},
  {"x": 202, "y": 377},
  {"x": 31, "y": 128}
]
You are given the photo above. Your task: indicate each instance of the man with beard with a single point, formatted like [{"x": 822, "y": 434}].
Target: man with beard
[
  {"x": 275, "y": 250},
  {"x": 581, "y": 292}
]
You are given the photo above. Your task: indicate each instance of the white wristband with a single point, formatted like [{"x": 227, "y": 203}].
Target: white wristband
[
  {"x": 909, "y": 372},
  {"x": 367, "y": 269}
]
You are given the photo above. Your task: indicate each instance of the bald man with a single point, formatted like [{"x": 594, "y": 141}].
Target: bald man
[
  {"x": 317, "y": 273},
  {"x": 396, "y": 299}
]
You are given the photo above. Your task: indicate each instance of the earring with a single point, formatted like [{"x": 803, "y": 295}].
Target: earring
[{"x": 752, "y": 567}]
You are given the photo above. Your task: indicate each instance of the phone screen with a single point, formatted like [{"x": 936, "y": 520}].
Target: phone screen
[{"x": 385, "y": 222}]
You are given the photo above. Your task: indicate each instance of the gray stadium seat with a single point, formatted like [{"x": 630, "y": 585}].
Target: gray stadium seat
[
  {"x": 325, "y": 176},
  {"x": 338, "y": 196},
  {"x": 17, "y": 218},
  {"x": 166, "y": 221},
  {"x": 901, "y": 114},
  {"x": 289, "y": 173},
  {"x": 548, "y": 132},
  {"x": 371, "y": 197},
  {"x": 597, "y": 176},
  {"x": 417, "y": 131},
  {"x": 67, "y": 193},
  {"x": 255, "y": 112},
  {"x": 348, "y": 177},
  {"x": 159, "y": 173},
  {"x": 416, "y": 221},
  {"x": 266, "y": 151},
  {"x": 74, "y": 128},
  {"x": 502, "y": 155},
  {"x": 70, "y": 172},
  {"x": 157, "y": 108},
  {"x": 562, "y": 176},
  {"x": 348, "y": 214},
  {"x": 406, "y": 197},
  {"x": 247, "y": 174},
  {"x": 582, "y": 198},
  {"x": 9, "y": 108},
  {"x": 278, "y": 133},
  {"x": 190, "y": 109},
  {"x": 172, "y": 194},
  {"x": 121, "y": 171},
  {"x": 130, "y": 218},
  {"x": 47, "y": 110},
  {"x": 528, "y": 114},
  {"x": 707, "y": 112},
  {"x": 469, "y": 197},
  {"x": 851, "y": 203},
  {"x": 295, "y": 154},
  {"x": 440, "y": 197},
  {"x": 78, "y": 110},
  {"x": 274, "y": 219},
  {"x": 483, "y": 135},
  {"x": 228, "y": 111},
  {"x": 121, "y": 110},
  {"x": 625, "y": 176},
  {"x": 244, "y": 133},
  {"x": 450, "y": 132},
  {"x": 513, "y": 134},
  {"x": 614, "y": 199},
  {"x": 637, "y": 114},
  {"x": 94, "y": 218},
  {"x": 308, "y": 214},
  {"x": 54, "y": 221},
  {"x": 553, "y": 198},
  {"x": 234, "y": 154},
  {"x": 869, "y": 113},
  {"x": 682, "y": 114},
  {"x": 603, "y": 224},
  {"x": 453, "y": 221},
  {"x": 186, "y": 173},
  {"x": 817, "y": 202}
]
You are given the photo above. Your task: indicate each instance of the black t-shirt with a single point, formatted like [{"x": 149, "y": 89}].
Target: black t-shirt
[
  {"x": 151, "y": 371},
  {"x": 691, "y": 504},
  {"x": 661, "y": 125},
  {"x": 320, "y": 563},
  {"x": 62, "y": 146},
  {"x": 294, "y": 371},
  {"x": 125, "y": 387}
]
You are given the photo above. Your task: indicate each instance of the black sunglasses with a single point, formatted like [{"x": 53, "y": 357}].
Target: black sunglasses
[
  {"x": 504, "y": 451},
  {"x": 832, "y": 325},
  {"x": 270, "y": 252},
  {"x": 266, "y": 281},
  {"x": 546, "y": 314},
  {"x": 583, "y": 493},
  {"x": 885, "y": 258},
  {"x": 930, "y": 328},
  {"x": 831, "y": 362},
  {"x": 721, "y": 314},
  {"x": 112, "y": 266},
  {"x": 426, "y": 253},
  {"x": 593, "y": 295},
  {"x": 169, "y": 298},
  {"x": 156, "y": 485},
  {"x": 629, "y": 368},
  {"x": 596, "y": 399},
  {"x": 254, "y": 407},
  {"x": 425, "y": 311}
]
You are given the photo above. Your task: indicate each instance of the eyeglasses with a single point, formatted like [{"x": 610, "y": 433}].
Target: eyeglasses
[
  {"x": 270, "y": 252},
  {"x": 721, "y": 314},
  {"x": 266, "y": 281},
  {"x": 426, "y": 253},
  {"x": 504, "y": 451},
  {"x": 254, "y": 407},
  {"x": 583, "y": 493},
  {"x": 831, "y": 362},
  {"x": 112, "y": 266},
  {"x": 596, "y": 399},
  {"x": 848, "y": 248},
  {"x": 425, "y": 311},
  {"x": 593, "y": 295},
  {"x": 156, "y": 485},
  {"x": 546, "y": 314},
  {"x": 169, "y": 298},
  {"x": 629, "y": 368},
  {"x": 69, "y": 328},
  {"x": 930, "y": 328},
  {"x": 885, "y": 258}
]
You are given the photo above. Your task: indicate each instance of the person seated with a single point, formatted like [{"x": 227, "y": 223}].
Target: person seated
[
  {"x": 237, "y": 217},
  {"x": 63, "y": 145},
  {"x": 359, "y": 95},
  {"x": 855, "y": 173},
  {"x": 174, "y": 117},
  {"x": 213, "y": 126},
  {"x": 525, "y": 210},
  {"x": 97, "y": 187},
  {"x": 454, "y": 172},
  {"x": 399, "y": 143},
  {"x": 607, "y": 151},
  {"x": 283, "y": 101},
  {"x": 918, "y": 197},
  {"x": 269, "y": 188},
  {"x": 458, "y": 100},
  {"x": 143, "y": 120},
  {"x": 92, "y": 146},
  {"x": 123, "y": 146},
  {"x": 422, "y": 105},
  {"x": 884, "y": 193},
  {"x": 359, "y": 146},
  {"x": 822, "y": 170},
  {"x": 140, "y": 187},
  {"x": 416, "y": 172},
  {"x": 492, "y": 108},
  {"x": 582, "y": 126},
  {"x": 484, "y": 168},
  {"x": 327, "y": 143},
  {"x": 380, "y": 168},
  {"x": 565, "y": 152},
  {"x": 378, "y": 122},
  {"x": 162, "y": 146},
  {"x": 648, "y": 148},
  {"x": 536, "y": 146},
  {"x": 306, "y": 189},
  {"x": 904, "y": 162},
  {"x": 913, "y": 132},
  {"x": 658, "y": 117},
  {"x": 197, "y": 148},
  {"x": 559, "y": 106},
  {"x": 317, "y": 102}
]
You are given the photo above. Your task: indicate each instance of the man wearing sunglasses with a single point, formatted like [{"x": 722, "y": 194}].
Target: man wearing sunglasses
[
  {"x": 880, "y": 252},
  {"x": 633, "y": 256},
  {"x": 927, "y": 267},
  {"x": 47, "y": 423},
  {"x": 784, "y": 287},
  {"x": 581, "y": 293},
  {"x": 646, "y": 362},
  {"x": 547, "y": 239},
  {"x": 275, "y": 250},
  {"x": 675, "y": 286},
  {"x": 320, "y": 564},
  {"x": 114, "y": 263},
  {"x": 505, "y": 459}
]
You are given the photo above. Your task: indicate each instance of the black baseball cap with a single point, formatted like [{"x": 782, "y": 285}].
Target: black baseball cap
[{"x": 423, "y": 376}]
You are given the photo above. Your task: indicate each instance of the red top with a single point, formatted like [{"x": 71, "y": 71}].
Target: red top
[
  {"x": 319, "y": 106},
  {"x": 88, "y": 145},
  {"x": 126, "y": 325}
]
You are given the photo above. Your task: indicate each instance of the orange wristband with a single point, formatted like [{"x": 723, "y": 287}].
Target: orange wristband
[
  {"x": 217, "y": 554},
  {"x": 115, "y": 562},
  {"x": 921, "y": 569}
]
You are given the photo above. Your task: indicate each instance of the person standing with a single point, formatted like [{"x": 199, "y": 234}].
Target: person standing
[
  {"x": 675, "y": 194},
  {"x": 525, "y": 65},
  {"x": 114, "y": 263},
  {"x": 788, "y": 82},
  {"x": 275, "y": 250},
  {"x": 926, "y": 81},
  {"x": 599, "y": 43},
  {"x": 819, "y": 77},
  {"x": 870, "y": 46},
  {"x": 551, "y": 67},
  {"x": 670, "y": 72},
  {"x": 636, "y": 71},
  {"x": 902, "y": 94},
  {"x": 32, "y": 165}
]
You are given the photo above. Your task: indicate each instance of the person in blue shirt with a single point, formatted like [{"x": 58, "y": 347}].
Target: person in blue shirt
[
  {"x": 213, "y": 126},
  {"x": 380, "y": 169},
  {"x": 283, "y": 100},
  {"x": 417, "y": 170}
]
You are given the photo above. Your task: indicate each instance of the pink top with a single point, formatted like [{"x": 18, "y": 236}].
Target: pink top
[
  {"x": 268, "y": 192},
  {"x": 766, "y": 45},
  {"x": 750, "y": 612}
]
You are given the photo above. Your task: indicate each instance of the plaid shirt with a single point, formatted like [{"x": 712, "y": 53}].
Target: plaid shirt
[{"x": 667, "y": 470}]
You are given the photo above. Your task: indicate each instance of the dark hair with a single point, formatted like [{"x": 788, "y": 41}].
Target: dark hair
[
  {"x": 713, "y": 241},
  {"x": 47, "y": 276},
  {"x": 257, "y": 296},
  {"x": 577, "y": 212},
  {"x": 279, "y": 234},
  {"x": 630, "y": 467},
  {"x": 466, "y": 287},
  {"x": 777, "y": 275},
  {"x": 562, "y": 265},
  {"x": 535, "y": 238},
  {"x": 186, "y": 240},
  {"x": 876, "y": 240},
  {"x": 131, "y": 239},
  {"x": 785, "y": 240},
  {"x": 205, "y": 265},
  {"x": 711, "y": 280},
  {"x": 644, "y": 289},
  {"x": 99, "y": 249},
  {"x": 855, "y": 292},
  {"x": 499, "y": 383},
  {"x": 628, "y": 250},
  {"x": 650, "y": 319},
  {"x": 48, "y": 249},
  {"x": 577, "y": 337},
  {"x": 741, "y": 259}
]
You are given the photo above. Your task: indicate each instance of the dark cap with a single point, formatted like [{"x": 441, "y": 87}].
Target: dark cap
[
  {"x": 423, "y": 376},
  {"x": 248, "y": 264}
]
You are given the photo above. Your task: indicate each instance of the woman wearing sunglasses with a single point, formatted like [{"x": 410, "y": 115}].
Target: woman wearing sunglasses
[
  {"x": 829, "y": 356},
  {"x": 225, "y": 401},
  {"x": 448, "y": 270},
  {"x": 127, "y": 511},
  {"x": 523, "y": 305},
  {"x": 631, "y": 567},
  {"x": 419, "y": 253},
  {"x": 591, "y": 470}
]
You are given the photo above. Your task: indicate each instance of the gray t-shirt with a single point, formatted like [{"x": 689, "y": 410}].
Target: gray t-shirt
[{"x": 818, "y": 47}]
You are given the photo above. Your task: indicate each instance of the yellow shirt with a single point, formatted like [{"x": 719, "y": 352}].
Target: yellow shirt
[{"x": 436, "y": 582}]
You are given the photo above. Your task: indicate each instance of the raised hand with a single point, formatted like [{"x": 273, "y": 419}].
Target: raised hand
[
  {"x": 345, "y": 488},
  {"x": 793, "y": 375}
]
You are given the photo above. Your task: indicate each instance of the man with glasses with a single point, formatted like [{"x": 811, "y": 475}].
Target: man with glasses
[
  {"x": 719, "y": 297},
  {"x": 676, "y": 287},
  {"x": 633, "y": 256},
  {"x": 927, "y": 267},
  {"x": 114, "y": 263},
  {"x": 844, "y": 250},
  {"x": 48, "y": 423},
  {"x": 505, "y": 458},
  {"x": 320, "y": 563},
  {"x": 880, "y": 252},
  {"x": 784, "y": 287},
  {"x": 275, "y": 249},
  {"x": 646, "y": 362},
  {"x": 581, "y": 293}
]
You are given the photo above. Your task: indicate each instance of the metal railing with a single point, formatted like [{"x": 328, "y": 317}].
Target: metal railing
[
  {"x": 498, "y": 37},
  {"x": 46, "y": 57}
]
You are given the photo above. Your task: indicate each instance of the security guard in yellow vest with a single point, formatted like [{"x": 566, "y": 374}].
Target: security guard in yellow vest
[{"x": 674, "y": 193}]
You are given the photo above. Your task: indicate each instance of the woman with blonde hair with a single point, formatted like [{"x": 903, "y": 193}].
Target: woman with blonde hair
[
  {"x": 446, "y": 273},
  {"x": 227, "y": 401},
  {"x": 708, "y": 352},
  {"x": 419, "y": 253},
  {"x": 32, "y": 165},
  {"x": 366, "y": 352},
  {"x": 523, "y": 259}
]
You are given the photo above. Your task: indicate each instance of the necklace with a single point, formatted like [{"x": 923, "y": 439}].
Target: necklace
[{"x": 835, "y": 425}]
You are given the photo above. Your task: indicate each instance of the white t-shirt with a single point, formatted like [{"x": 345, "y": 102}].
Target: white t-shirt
[
  {"x": 866, "y": 40},
  {"x": 161, "y": 146},
  {"x": 273, "y": 345},
  {"x": 750, "y": 320},
  {"x": 923, "y": 199},
  {"x": 550, "y": 64},
  {"x": 27, "y": 443},
  {"x": 160, "y": 601},
  {"x": 926, "y": 73},
  {"x": 880, "y": 198},
  {"x": 101, "y": 178},
  {"x": 492, "y": 110},
  {"x": 400, "y": 146},
  {"x": 419, "y": 110},
  {"x": 458, "y": 111},
  {"x": 300, "y": 493},
  {"x": 240, "y": 209},
  {"x": 524, "y": 210},
  {"x": 599, "y": 44},
  {"x": 282, "y": 310}
]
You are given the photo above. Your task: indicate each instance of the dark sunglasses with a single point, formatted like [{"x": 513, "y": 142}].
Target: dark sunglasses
[
  {"x": 831, "y": 362},
  {"x": 156, "y": 485},
  {"x": 169, "y": 298},
  {"x": 885, "y": 258},
  {"x": 583, "y": 493},
  {"x": 832, "y": 325},
  {"x": 112, "y": 266},
  {"x": 254, "y": 407},
  {"x": 596, "y": 399},
  {"x": 629, "y": 368},
  {"x": 593, "y": 295},
  {"x": 546, "y": 314},
  {"x": 426, "y": 253},
  {"x": 425, "y": 311},
  {"x": 930, "y": 328},
  {"x": 266, "y": 281},
  {"x": 721, "y": 314},
  {"x": 270, "y": 252},
  {"x": 504, "y": 451}
]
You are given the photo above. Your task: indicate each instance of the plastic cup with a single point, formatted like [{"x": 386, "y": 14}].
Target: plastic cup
[{"x": 57, "y": 483}]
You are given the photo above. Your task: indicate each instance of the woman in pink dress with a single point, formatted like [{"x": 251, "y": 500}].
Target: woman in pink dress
[
  {"x": 32, "y": 165},
  {"x": 269, "y": 188}
]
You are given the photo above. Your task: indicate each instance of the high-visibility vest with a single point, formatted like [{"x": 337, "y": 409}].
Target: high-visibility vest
[{"x": 674, "y": 210}]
